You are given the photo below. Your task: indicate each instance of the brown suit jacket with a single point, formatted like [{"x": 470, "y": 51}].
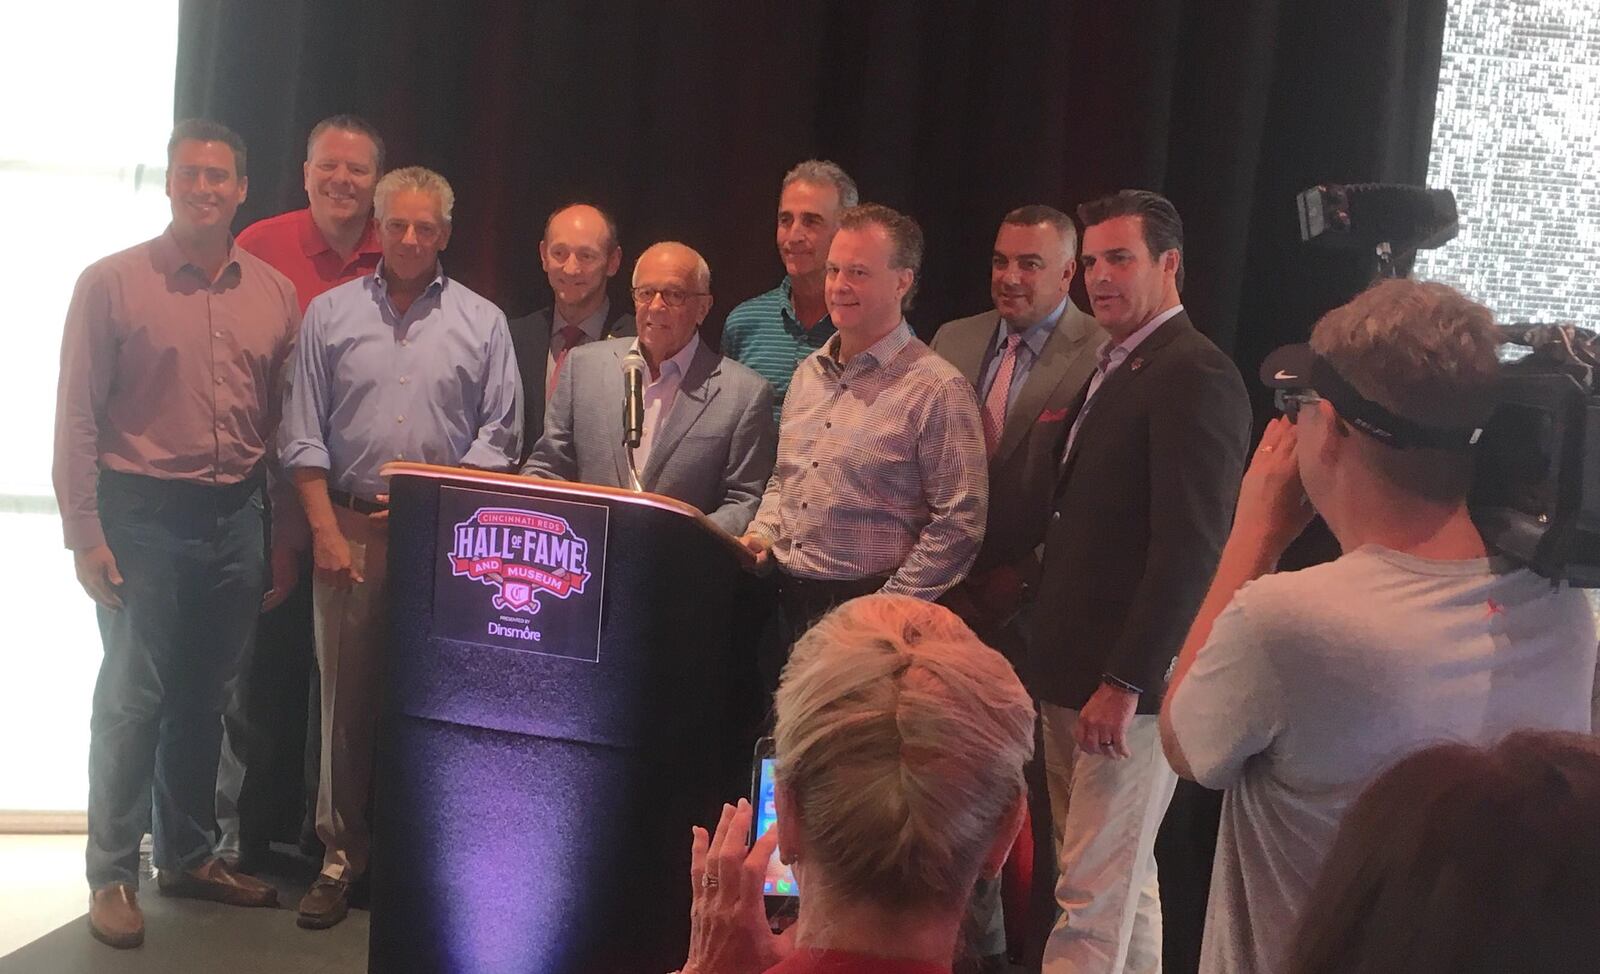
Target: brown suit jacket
[{"x": 1143, "y": 506}]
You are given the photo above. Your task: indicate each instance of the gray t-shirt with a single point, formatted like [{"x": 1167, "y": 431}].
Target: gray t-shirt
[{"x": 1313, "y": 682}]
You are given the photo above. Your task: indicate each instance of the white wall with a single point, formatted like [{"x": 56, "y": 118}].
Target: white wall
[{"x": 88, "y": 107}]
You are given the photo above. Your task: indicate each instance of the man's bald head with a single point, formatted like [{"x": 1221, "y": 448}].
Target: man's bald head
[
  {"x": 583, "y": 217},
  {"x": 580, "y": 254},
  {"x": 672, "y": 252}
]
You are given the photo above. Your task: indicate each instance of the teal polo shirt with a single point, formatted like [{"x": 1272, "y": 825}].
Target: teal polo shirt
[{"x": 764, "y": 334}]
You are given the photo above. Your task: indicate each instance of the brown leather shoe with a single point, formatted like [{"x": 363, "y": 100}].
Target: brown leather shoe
[
  {"x": 114, "y": 916},
  {"x": 213, "y": 880},
  {"x": 325, "y": 903}
]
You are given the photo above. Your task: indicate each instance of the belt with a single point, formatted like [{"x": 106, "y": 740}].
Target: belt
[
  {"x": 808, "y": 599},
  {"x": 343, "y": 498}
]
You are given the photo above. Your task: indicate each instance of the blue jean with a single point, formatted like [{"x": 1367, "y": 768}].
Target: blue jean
[{"x": 193, "y": 564}]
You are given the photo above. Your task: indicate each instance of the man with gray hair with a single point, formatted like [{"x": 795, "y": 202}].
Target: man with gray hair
[
  {"x": 773, "y": 332},
  {"x": 402, "y": 364},
  {"x": 708, "y": 436}
]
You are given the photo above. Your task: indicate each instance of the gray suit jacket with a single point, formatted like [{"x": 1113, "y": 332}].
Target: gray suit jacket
[
  {"x": 1022, "y": 473},
  {"x": 530, "y": 340},
  {"x": 715, "y": 450}
]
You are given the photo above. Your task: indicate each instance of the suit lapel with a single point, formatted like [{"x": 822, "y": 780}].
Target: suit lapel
[
  {"x": 619, "y": 323},
  {"x": 694, "y": 394},
  {"x": 966, "y": 350},
  {"x": 613, "y": 410},
  {"x": 1110, "y": 392},
  {"x": 1061, "y": 363},
  {"x": 538, "y": 339}
]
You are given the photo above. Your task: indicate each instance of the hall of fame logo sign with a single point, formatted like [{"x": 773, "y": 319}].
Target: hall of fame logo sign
[
  {"x": 523, "y": 555},
  {"x": 522, "y": 573}
]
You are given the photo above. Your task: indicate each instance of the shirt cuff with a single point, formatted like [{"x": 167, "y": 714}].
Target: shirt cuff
[
  {"x": 82, "y": 532},
  {"x": 304, "y": 454},
  {"x": 1119, "y": 683}
]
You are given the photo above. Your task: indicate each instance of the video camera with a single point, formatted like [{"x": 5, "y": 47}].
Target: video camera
[{"x": 1536, "y": 489}]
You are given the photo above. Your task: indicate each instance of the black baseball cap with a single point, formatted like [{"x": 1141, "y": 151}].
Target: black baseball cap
[{"x": 1298, "y": 367}]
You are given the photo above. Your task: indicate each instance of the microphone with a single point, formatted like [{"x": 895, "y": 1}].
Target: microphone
[{"x": 633, "y": 371}]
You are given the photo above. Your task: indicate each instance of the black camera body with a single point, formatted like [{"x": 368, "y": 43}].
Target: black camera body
[{"x": 1536, "y": 488}]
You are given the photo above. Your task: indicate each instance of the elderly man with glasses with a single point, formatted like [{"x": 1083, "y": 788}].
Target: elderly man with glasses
[{"x": 708, "y": 436}]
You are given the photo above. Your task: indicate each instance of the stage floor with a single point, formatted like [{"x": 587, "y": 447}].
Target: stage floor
[{"x": 193, "y": 937}]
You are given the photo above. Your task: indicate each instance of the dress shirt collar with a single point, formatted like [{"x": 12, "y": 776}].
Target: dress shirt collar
[
  {"x": 381, "y": 283},
  {"x": 791, "y": 320},
  {"x": 313, "y": 243},
  {"x": 882, "y": 351},
  {"x": 1036, "y": 334},
  {"x": 593, "y": 326},
  {"x": 678, "y": 364},
  {"x": 1112, "y": 355},
  {"x": 169, "y": 258},
  {"x": 786, "y": 288}
]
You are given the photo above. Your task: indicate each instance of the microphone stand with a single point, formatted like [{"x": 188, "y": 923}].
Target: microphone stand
[
  {"x": 633, "y": 373},
  {"x": 633, "y": 470}
]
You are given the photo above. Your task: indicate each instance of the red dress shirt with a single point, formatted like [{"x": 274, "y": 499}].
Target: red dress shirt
[
  {"x": 292, "y": 243},
  {"x": 167, "y": 374}
]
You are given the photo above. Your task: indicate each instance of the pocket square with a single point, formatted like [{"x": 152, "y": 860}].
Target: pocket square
[{"x": 1054, "y": 415}]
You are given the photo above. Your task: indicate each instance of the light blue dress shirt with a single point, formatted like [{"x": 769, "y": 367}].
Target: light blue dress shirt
[
  {"x": 438, "y": 384},
  {"x": 1033, "y": 341}
]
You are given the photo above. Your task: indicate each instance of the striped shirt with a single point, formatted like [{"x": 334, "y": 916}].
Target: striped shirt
[
  {"x": 764, "y": 334},
  {"x": 881, "y": 470}
]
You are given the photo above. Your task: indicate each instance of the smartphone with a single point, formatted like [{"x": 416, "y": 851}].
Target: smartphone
[{"x": 780, "y": 887}]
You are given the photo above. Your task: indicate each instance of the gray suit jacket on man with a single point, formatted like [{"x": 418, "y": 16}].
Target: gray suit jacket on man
[
  {"x": 715, "y": 449},
  {"x": 1022, "y": 473},
  {"x": 530, "y": 340}
]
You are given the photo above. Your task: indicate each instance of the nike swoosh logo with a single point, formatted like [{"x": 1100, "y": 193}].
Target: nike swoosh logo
[{"x": 1281, "y": 375}]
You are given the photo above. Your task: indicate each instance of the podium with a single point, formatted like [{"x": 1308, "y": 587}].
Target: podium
[{"x": 562, "y": 701}]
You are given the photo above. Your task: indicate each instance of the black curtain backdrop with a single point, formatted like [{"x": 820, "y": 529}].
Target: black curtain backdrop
[{"x": 682, "y": 117}]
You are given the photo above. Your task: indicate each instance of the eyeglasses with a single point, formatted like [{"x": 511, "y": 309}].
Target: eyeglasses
[
  {"x": 671, "y": 297},
  {"x": 1289, "y": 402}
]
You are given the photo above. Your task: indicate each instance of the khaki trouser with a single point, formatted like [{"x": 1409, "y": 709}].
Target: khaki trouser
[
  {"x": 352, "y": 639},
  {"x": 1106, "y": 815}
]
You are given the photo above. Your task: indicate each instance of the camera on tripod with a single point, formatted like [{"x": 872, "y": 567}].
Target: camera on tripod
[{"x": 1536, "y": 486}]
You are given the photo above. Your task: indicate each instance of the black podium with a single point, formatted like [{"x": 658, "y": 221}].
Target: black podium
[{"x": 560, "y": 707}]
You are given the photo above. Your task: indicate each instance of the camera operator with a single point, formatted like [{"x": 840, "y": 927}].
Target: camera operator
[{"x": 1294, "y": 690}]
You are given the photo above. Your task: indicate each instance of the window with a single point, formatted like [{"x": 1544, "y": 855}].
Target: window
[
  {"x": 82, "y": 164},
  {"x": 1517, "y": 138}
]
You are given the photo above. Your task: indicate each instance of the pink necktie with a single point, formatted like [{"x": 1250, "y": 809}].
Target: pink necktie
[
  {"x": 571, "y": 337},
  {"x": 994, "y": 405}
]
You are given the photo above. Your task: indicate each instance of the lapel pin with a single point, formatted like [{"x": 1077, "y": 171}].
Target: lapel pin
[{"x": 1136, "y": 364}]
